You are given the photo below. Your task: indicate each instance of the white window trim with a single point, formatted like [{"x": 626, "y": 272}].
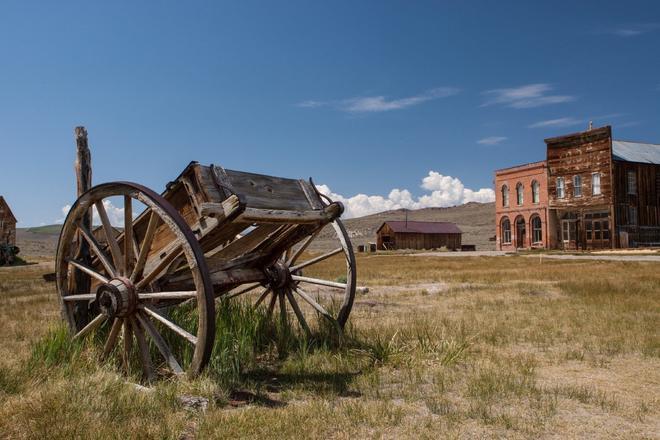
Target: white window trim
[
  {"x": 577, "y": 176},
  {"x": 593, "y": 187},
  {"x": 562, "y": 186}
]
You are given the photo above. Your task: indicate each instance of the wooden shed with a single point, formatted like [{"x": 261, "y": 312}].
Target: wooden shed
[
  {"x": 7, "y": 224},
  {"x": 418, "y": 235}
]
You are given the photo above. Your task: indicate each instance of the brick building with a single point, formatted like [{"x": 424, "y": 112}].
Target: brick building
[
  {"x": 521, "y": 200},
  {"x": 591, "y": 192}
]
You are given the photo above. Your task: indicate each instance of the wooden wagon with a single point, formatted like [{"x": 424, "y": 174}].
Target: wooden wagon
[{"x": 213, "y": 233}]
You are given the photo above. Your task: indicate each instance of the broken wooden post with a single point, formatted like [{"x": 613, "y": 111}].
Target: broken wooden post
[
  {"x": 83, "y": 168},
  {"x": 83, "y": 163}
]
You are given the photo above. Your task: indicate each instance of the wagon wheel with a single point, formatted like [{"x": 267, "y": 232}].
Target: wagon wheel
[
  {"x": 114, "y": 289},
  {"x": 304, "y": 294}
]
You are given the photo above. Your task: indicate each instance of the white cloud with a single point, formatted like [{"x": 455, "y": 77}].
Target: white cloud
[
  {"x": 559, "y": 122},
  {"x": 634, "y": 30},
  {"x": 115, "y": 214},
  {"x": 527, "y": 96},
  {"x": 443, "y": 191},
  {"x": 373, "y": 104},
  {"x": 492, "y": 140}
]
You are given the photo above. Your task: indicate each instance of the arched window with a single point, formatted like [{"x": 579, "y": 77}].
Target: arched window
[
  {"x": 536, "y": 192},
  {"x": 519, "y": 193},
  {"x": 537, "y": 229},
  {"x": 506, "y": 231},
  {"x": 505, "y": 195}
]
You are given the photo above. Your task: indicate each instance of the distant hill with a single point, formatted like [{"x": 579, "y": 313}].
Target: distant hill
[
  {"x": 38, "y": 241},
  {"x": 476, "y": 220},
  {"x": 47, "y": 229}
]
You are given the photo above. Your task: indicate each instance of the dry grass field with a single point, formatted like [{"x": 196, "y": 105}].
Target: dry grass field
[{"x": 481, "y": 347}]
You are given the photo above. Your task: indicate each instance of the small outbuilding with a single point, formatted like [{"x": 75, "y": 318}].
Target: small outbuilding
[
  {"x": 418, "y": 235},
  {"x": 7, "y": 224}
]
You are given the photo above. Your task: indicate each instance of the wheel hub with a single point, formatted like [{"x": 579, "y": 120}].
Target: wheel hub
[
  {"x": 117, "y": 298},
  {"x": 278, "y": 275}
]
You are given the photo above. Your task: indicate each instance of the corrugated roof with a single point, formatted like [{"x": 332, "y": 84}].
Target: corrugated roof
[
  {"x": 423, "y": 227},
  {"x": 636, "y": 152}
]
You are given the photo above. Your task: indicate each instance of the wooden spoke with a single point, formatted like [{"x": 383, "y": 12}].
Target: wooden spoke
[
  {"x": 128, "y": 344},
  {"x": 160, "y": 343},
  {"x": 298, "y": 312},
  {"x": 169, "y": 295},
  {"x": 112, "y": 337},
  {"x": 98, "y": 251},
  {"x": 244, "y": 290},
  {"x": 128, "y": 234},
  {"x": 292, "y": 259},
  {"x": 318, "y": 282},
  {"x": 143, "y": 350},
  {"x": 317, "y": 259},
  {"x": 80, "y": 297},
  {"x": 154, "y": 220},
  {"x": 110, "y": 237},
  {"x": 271, "y": 306},
  {"x": 172, "y": 326},
  {"x": 160, "y": 267},
  {"x": 283, "y": 313},
  {"x": 93, "y": 325},
  {"x": 88, "y": 270},
  {"x": 262, "y": 297},
  {"x": 319, "y": 308}
]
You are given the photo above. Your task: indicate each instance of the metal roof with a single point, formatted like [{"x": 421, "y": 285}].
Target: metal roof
[
  {"x": 423, "y": 227},
  {"x": 636, "y": 152}
]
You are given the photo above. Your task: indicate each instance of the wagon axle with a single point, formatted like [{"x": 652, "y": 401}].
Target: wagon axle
[{"x": 117, "y": 298}]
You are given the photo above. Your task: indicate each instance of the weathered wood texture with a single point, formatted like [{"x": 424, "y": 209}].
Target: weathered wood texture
[
  {"x": 387, "y": 239},
  {"x": 627, "y": 210},
  {"x": 637, "y": 212},
  {"x": 581, "y": 154},
  {"x": 7, "y": 224}
]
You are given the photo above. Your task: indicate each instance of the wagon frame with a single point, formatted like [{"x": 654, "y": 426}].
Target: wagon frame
[{"x": 213, "y": 233}]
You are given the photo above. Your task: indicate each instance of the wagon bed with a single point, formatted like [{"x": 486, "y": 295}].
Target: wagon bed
[{"x": 213, "y": 233}]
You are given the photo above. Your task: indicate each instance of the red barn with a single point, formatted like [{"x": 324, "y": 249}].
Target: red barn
[{"x": 418, "y": 235}]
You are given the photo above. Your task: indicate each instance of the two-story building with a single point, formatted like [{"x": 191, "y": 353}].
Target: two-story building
[
  {"x": 603, "y": 193},
  {"x": 591, "y": 192},
  {"x": 521, "y": 214}
]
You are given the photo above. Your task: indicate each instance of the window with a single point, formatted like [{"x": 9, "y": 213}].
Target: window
[
  {"x": 577, "y": 186},
  {"x": 595, "y": 184},
  {"x": 632, "y": 215},
  {"x": 505, "y": 195},
  {"x": 519, "y": 193},
  {"x": 561, "y": 188},
  {"x": 537, "y": 230},
  {"x": 506, "y": 231},
  {"x": 536, "y": 192},
  {"x": 632, "y": 182}
]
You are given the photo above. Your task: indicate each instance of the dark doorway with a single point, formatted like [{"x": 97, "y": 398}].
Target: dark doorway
[{"x": 520, "y": 232}]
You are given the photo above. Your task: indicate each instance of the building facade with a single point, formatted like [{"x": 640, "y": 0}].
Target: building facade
[
  {"x": 594, "y": 192},
  {"x": 7, "y": 224},
  {"x": 521, "y": 213},
  {"x": 603, "y": 193}
]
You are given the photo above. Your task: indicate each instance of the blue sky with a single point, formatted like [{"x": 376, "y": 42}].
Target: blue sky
[{"x": 366, "y": 97}]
